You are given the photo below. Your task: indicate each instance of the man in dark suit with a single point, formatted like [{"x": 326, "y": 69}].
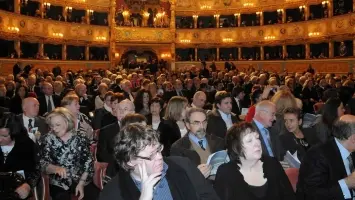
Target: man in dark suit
[
  {"x": 238, "y": 100},
  {"x": 178, "y": 89},
  {"x": 327, "y": 171},
  {"x": 86, "y": 102},
  {"x": 263, "y": 119},
  {"x": 126, "y": 88},
  {"x": 221, "y": 118},
  {"x": 48, "y": 102},
  {"x": 30, "y": 119},
  {"x": 164, "y": 178},
  {"x": 5, "y": 101},
  {"x": 32, "y": 87},
  {"x": 197, "y": 145},
  {"x": 101, "y": 112}
]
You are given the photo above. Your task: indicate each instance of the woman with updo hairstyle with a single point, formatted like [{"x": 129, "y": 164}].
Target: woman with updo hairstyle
[
  {"x": 67, "y": 159},
  {"x": 249, "y": 175},
  {"x": 18, "y": 155}
]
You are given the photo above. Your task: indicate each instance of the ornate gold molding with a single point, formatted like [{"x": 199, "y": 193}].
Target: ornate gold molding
[
  {"x": 96, "y": 5},
  {"x": 51, "y": 31},
  {"x": 339, "y": 28},
  {"x": 143, "y": 35}
]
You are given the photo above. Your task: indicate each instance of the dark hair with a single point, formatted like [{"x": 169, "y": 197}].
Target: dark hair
[
  {"x": 108, "y": 94},
  {"x": 192, "y": 110},
  {"x": 330, "y": 111},
  {"x": 16, "y": 129},
  {"x": 138, "y": 101},
  {"x": 117, "y": 96},
  {"x": 293, "y": 110},
  {"x": 236, "y": 91},
  {"x": 132, "y": 139},
  {"x": 220, "y": 95},
  {"x": 255, "y": 95},
  {"x": 330, "y": 93},
  {"x": 18, "y": 89},
  {"x": 133, "y": 118},
  {"x": 343, "y": 130},
  {"x": 234, "y": 140},
  {"x": 157, "y": 100}
]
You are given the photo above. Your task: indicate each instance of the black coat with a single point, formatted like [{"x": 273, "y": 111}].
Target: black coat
[
  {"x": 216, "y": 124},
  {"x": 39, "y": 122},
  {"x": 238, "y": 109},
  {"x": 98, "y": 116},
  {"x": 15, "y": 106},
  {"x": 169, "y": 133},
  {"x": 230, "y": 184},
  {"x": 105, "y": 144},
  {"x": 320, "y": 171},
  {"x": 184, "y": 179},
  {"x": 43, "y": 104},
  {"x": 183, "y": 147},
  {"x": 107, "y": 119}
]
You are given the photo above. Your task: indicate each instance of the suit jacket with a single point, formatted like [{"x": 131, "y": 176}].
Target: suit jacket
[
  {"x": 36, "y": 89},
  {"x": 230, "y": 184},
  {"x": 184, "y": 180},
  {"x": 43, "y": 104},
  {"x": 276, "y": 146},
  {"x": 107, "y": 119},
  {"x": 216, "y": 124},
  {"x": 320, "y": 171},
  {"x": 15, "y": 106},
  {"x": 169, "y": 133},
  {"x": 105, "y": 144},
  {"x": 39, "y": 122},
  {"x": 5, "y": 102},
  {"x": 98, "y": 115},
  {"x": 238, "y": 109},
  {"x": 87, "y": 105},
  {"x": 183, "y": 147}
]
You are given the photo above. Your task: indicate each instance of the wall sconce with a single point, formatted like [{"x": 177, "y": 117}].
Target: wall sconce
[
  {"x": 117, "y": 55},
  {"x": 185, "y": 41},
  {"x": 195, "y": 16},
  {"x": 165, "y": 55},
  {"x": 227, "y": 40},
  {"x": 58, "y": 35},
  {"x": 259, "y": 13},
  {"x": 125, "y": 13},
  {"x": 91, "y": 13},
  {"x": 13, "y": 29},
  {"x": 280, "y": 10},
  {"x": 216, "y": 15},
  {"x": 325, "y": 3},
  {"x": 69, "y": 9},
  {"x": 269, "y": 37},
  {"x": 236, "y": 15},
  {"x": 205, "y": 7},
  {"x": 47, "y": 5},
  {"x": 146, "y": 14},
  {"x": 313, "y": 34},
  {"x": 302, "y": 7},
  {"x": 101, "y": 38},
  {"x": 24, "y": 2},
  {"x": 248, "y": 4}
]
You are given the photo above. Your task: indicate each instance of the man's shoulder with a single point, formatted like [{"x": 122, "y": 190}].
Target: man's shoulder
[
  {"x": 111, "y": 190},
  {"x": 181, "y": 143}
]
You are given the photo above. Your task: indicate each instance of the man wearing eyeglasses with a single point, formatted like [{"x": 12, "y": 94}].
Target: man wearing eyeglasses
[
  {"x": 197, "y": 145},
  {"x": 145, "y": 175}
]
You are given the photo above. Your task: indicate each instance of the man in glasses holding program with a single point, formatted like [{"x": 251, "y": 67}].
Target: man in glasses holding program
[{"x": 146, "y": 175}]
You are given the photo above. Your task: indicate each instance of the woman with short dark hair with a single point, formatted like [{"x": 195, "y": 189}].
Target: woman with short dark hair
[
  {"x": 154, "y": 119},
  {"x": 249, "y": 175}
]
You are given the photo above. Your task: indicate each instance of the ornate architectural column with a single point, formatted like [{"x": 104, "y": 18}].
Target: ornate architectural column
[
  {"x": 330, "y": 8},
  {"x": 353, "y": 47},
  {"x": 306, "y": 12},
  {"x": 112, "y": 23},
  {"x": 196, "y": 54},
  {"x": 284, "y": 50},
  {"x": 284, "y": 16},
  {"x": 331, "y": 49},
  {"x": 41, "y": 49},
  {"x": 262, "y": 53},
  {"x": 87, "y": 52},
  {"x": 172, "y": 53},
  {"x": 172, "y": 14},
  {"x": 195, "y": 17},
  {"x": 308, "y": 50},
  {"x": 17, "y": 6},
  {"x": 17, "y": 47},
  {"x": 64, "y": 52},
  {"x": 217, "y": 56},
  {"x": 239, "y": 53}
]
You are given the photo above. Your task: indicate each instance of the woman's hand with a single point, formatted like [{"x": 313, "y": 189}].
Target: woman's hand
[
  {"x": 79, "y": 190},
  {"x": 62, "y": 172},
  {"x": 148, "y": 182},
  {"x": 23, "y": 191}
]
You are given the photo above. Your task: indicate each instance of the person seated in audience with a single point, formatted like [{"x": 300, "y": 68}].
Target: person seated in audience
[
  {"x": 16, "y": 101},
  {"x": 154, "y": 118},
  {"x": 82, "y": 122},
  {"x": 199, "y": 100},
  {"x": 85, "y": 101},
  {"x": 197, "y": 145},
  {"x": 5, "y": 101},
  {"x": 327, "y": 170},
  {"x": 173, "y": 126},
  {"x": 58, "y": 89},
  {"x": 145, "y": 174},
  {"x": 110, "y": 118},
  {"x": 10, "y": 89},
  {"x": 35, "y": 125},
  {"x": 48, "y": 101},
  {"x": 101, "y": 112},
  {"x": 221, "y": 118},
  {"x": 100, "y": 98},
  {"x": 297, "y": 139},
  {"x": 250, "y": 175},
  {"x": 141, "y": 102},
  {"x": 256, "y": 96},
  {"x": 19, "y": 154},
  {"x": 66, "y": 158}
]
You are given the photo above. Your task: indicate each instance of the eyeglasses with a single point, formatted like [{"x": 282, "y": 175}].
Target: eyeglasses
[
  {"x": 198, "y": 123},
  {"x": 153, "y": 155}
]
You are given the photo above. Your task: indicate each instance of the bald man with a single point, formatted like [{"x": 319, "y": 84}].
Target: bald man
[
  {"x": 30, "y": 119},
  {"x": 199, "y": 100},
  {"x": 327, "y": 171},
  {"x": 263, "y": 120}
]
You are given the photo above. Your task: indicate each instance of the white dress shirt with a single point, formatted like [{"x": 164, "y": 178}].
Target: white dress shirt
[{"x": 51, "y": 100}]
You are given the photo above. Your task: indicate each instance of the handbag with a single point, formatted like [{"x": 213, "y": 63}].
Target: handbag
[{"x": 9, "y": 182}]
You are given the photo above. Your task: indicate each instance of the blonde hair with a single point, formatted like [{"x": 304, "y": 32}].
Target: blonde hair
[
  {"x": 175, "y": 107},
  {"x": 68, "y": 99},
  {"x": 284, "y": 99},
  {"x": 68, "y": 117}
]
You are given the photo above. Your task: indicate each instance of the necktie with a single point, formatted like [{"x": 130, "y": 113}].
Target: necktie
[
  {"x": 30, "y": 125},
  {"x": 201, "y": 145},
  {"x": 268, "y": 146},
  {"x": 49, "y": 104},
  {"x": 351, "y": 164}
]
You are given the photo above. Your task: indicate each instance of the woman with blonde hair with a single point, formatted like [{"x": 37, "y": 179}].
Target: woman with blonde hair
[
  {"x": 66, "y": 158},
  {"x": 173, "y": 127},
  {"x": 82, "y": 122}
]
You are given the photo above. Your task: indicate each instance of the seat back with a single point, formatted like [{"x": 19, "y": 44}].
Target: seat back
[
  {"x": 93, "y": 150},
  {"x": 99, "y": 174},
  {"x": 292, "y": 174}
]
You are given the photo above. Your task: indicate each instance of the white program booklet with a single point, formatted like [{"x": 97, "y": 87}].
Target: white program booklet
[
  {"x": 216, "y": 159},
  {"x": 244, "y": 111},
  {"x": 292, "y": 159}
]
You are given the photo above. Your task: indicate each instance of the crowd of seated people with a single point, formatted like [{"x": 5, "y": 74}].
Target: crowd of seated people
[{"x": 154, "y": 133}]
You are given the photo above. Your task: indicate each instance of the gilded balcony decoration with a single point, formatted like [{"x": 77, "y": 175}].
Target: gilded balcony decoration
[
  {"x": 143, "y": 35},
  {"x": 207, "y": 7},
  {"x": 29, "y": 28},
  {"x": 298, "y": 32},
  {"x": 96, "y": 5}
]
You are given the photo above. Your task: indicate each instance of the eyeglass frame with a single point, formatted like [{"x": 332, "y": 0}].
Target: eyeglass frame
[
  {"x": 153, "y": 155},
  {"x": 198, "y": 123}
]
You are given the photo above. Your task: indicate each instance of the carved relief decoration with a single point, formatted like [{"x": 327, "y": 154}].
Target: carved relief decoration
[{"x": 123, "y": 34}]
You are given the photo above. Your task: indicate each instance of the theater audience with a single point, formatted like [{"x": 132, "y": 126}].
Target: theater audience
[
  {"x": 327, "y": 170},
  {"x": 145, "y": 174},
  {"x": 66, "y": 158},
  {"x": 19, "y": 155},
  {"x": 250, "y": 174}
]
